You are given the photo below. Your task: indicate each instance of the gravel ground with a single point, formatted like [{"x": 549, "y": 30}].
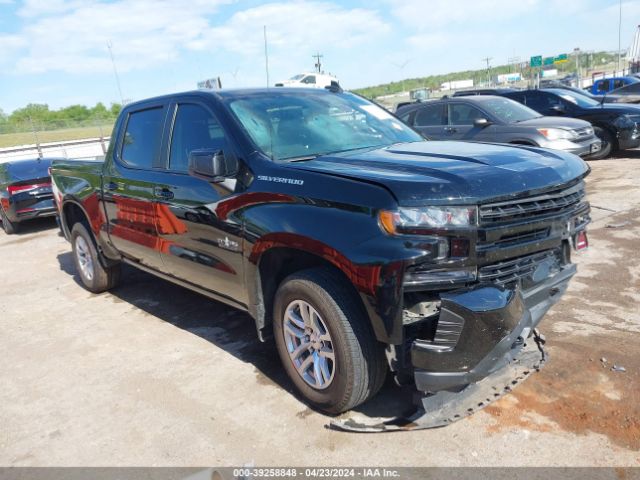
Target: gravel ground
[{"x": 152, "y": 374}]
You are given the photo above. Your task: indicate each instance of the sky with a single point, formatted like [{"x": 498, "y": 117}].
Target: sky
[{"x": 56, "y": 51}]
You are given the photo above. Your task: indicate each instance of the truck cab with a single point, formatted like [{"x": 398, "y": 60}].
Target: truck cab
[{"x": 606, "y": 85}]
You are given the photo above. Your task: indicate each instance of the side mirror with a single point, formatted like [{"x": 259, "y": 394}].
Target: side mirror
[
  {"x": 481, "y": 122},
  {"x": 211, "y": 165}
]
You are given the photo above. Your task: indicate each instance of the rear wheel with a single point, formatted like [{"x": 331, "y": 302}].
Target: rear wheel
[
  {"x": 7, "y": 225},
  {"x": 94, "y": 276},
  {"x": 325, "y": 341},
  {"x": 607, "y": 144}
]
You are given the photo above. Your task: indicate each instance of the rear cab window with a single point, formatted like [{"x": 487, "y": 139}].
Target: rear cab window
[{"x": 142, "y": 136}]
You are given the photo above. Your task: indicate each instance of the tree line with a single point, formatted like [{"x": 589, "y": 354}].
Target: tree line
[{"x": 38, "y": 116}]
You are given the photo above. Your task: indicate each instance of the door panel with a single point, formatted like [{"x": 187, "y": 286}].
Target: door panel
[
  {"x": 461, "y": 117},
  {"x": 198, "y": 247},
  {"x": 128, "y": 187}
]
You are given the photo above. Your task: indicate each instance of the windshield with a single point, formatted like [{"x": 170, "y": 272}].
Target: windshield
[
  {"x": 509, "y": 111},
  {"x": 297, "y": 77},
  {"x": 291, "y": 125},
  {"x": 576, "y": 98}
]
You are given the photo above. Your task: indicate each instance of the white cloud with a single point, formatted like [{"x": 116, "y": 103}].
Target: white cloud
[
  {"x": 295, "y": 26},
  {"x": 435, "y": 14},
  {"x": 73, "y": 36}
]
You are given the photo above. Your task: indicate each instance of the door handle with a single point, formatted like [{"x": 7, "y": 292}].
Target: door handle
[
  {"x": 162, "y": 192},
  {"x": 450, "y": 130}
]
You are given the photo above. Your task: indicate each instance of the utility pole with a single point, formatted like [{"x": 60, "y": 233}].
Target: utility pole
[
  {"x": 318, "y": 63},
  {"x": 488, "y": 59},
  {"x": 619, "y": 33},
  {"x": 115, "y": 72},
  {"x": 578, "y": 76},
  {"x": 266, "y": 55}
]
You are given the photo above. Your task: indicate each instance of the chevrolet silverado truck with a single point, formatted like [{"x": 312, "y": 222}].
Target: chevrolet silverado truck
[{"x": 356, "y": 245}]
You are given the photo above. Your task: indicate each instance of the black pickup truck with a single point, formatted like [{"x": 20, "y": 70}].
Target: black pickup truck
[{"x": 356, "y": 245}]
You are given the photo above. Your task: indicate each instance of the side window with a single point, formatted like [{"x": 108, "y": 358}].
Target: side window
[
  {"x": 618, "y": 83},
  {"x": 461, "y": 114},
  {"x": 428, "y": 116},
  {"x": 603, "y": 86},
  {"x": 194, "y": 129},
  {"x": 536, "y": 102},
  {"x": 518, "y": 97},
  {"x": 309, "y": 79},
  {"x": 406, "y": 118},
  {"x": 142, "y": 137}
]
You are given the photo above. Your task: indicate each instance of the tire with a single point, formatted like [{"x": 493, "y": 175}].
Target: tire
[
  {"x": 358, "y": 368},
  {"x": 7, "y": 225},
  {"x": 607, "y": 144},
  {"x": 94, "y": 276}
]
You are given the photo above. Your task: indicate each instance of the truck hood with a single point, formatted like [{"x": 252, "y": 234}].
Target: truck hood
[{"x": 438, "y": 172}]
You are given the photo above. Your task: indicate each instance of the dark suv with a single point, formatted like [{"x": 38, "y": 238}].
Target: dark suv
[{"x": 617, "y": 125}]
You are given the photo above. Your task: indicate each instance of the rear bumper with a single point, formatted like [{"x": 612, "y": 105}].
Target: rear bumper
[
  {"x": 19, "y": 212},
  {"x": 493, "y": 324}
]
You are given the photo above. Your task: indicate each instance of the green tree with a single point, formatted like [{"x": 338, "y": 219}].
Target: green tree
[{"x": 115, "y": 109}]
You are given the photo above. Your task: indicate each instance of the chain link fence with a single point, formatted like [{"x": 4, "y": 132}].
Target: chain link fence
[{"x": 59, "y": 138}]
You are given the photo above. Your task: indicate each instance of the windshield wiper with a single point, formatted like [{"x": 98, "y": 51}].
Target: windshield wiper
[{"x": 301, "y": 158}]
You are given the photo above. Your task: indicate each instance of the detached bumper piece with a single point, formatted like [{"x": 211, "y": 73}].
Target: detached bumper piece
[
  {"x": 445, "y": 407},
  {"x": 484, "y": 345}
]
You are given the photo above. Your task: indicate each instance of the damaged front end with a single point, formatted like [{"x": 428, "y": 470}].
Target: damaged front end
[{"x": 465, "y": 345}]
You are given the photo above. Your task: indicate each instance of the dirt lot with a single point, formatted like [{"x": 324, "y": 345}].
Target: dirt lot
[{"x": 152, "y": 374}]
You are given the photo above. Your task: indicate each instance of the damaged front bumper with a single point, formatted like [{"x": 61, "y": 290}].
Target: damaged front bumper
[
  {"x": 445, "y": 407},
  {"x": 480, "y": 329},
  {"x": 485, "y": 343}
]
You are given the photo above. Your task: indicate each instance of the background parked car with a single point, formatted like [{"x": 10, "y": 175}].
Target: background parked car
[
  {"x": 484, "y": 91},
  {"x": 501, "y": 120},
  {"x": 627, "y": 94},
  {"x": 606, "y": 85},
  {"x": 25, "y": 192},
  {"x": 617, "y": 125}
]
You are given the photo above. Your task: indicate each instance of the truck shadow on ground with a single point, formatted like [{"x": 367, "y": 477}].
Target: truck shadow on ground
[{"x": 226, "y": 328}]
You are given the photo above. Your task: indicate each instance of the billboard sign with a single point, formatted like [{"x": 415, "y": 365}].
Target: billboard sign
[{"x": 210, "y": 84}]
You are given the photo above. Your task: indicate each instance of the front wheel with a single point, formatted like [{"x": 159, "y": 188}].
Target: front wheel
[
  {"x": 325, "y": 341},
  {"x": 607, "y": 144},
  {"x": 94, "y": 276}
]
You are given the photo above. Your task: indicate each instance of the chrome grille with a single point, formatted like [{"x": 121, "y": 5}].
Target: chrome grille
[
  {"x": 558, "y": 201},
  {"x": 584, "y": 132},
  {"x": 511, "y": 271}
]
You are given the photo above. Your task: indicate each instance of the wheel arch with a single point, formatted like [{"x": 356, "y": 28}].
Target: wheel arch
[{"x": 274, "y": 264}]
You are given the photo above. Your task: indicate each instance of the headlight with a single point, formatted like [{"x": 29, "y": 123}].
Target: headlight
[
  {"x": 417, "y": 220},
  {"x": 558, "y": 134}
]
